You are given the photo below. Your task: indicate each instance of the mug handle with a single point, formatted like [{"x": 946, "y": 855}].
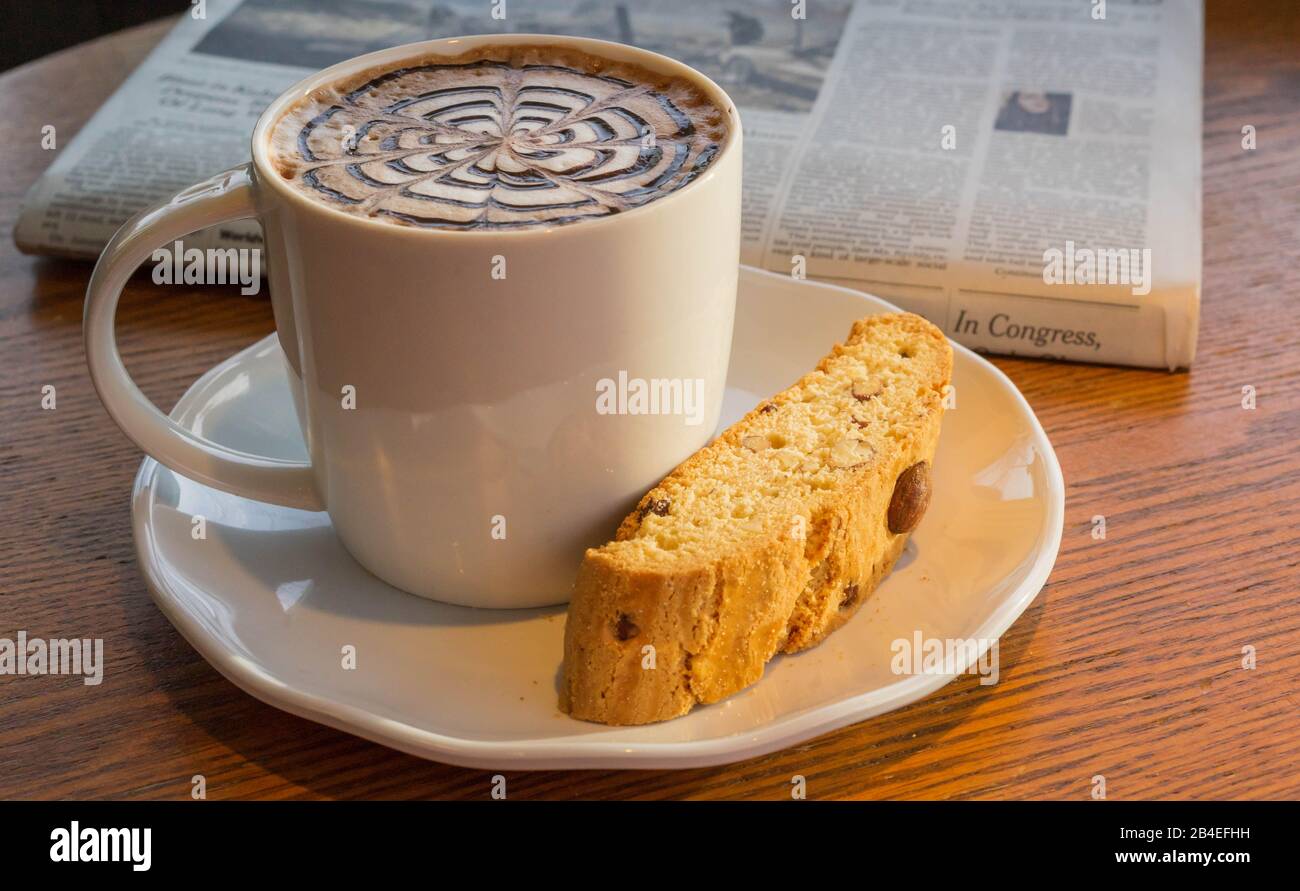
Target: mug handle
[{"x": 224, "y": 198}]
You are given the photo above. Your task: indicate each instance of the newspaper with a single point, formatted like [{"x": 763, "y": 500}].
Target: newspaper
[{"x": 1024, "y": 173}]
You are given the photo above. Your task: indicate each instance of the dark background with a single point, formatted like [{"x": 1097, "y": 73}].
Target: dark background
[{"x": 33, "y": 28}]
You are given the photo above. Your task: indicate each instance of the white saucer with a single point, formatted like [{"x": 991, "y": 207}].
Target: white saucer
[{"x": 270, "y": 597}]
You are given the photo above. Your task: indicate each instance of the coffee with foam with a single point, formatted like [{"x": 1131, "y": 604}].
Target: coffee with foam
[{"x": 503, "y": 137}]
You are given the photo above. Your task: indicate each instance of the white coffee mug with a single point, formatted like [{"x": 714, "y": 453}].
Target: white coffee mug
[{"x": 466, "y": 431}]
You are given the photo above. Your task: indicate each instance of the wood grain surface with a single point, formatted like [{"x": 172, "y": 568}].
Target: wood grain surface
[{"x": 1127, "y": 665}]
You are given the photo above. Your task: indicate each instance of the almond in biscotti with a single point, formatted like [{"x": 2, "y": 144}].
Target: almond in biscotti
[{"x": 715, "y": 586}]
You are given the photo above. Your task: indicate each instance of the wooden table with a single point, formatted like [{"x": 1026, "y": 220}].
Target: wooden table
[{"x": 1127, "y": 665}]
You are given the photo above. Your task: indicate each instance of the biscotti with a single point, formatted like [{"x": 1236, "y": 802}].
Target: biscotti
[{"x": 766, "y": 540}]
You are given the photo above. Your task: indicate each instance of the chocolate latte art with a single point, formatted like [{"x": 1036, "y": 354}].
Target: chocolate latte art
[{"x": 503, "y": 137}]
